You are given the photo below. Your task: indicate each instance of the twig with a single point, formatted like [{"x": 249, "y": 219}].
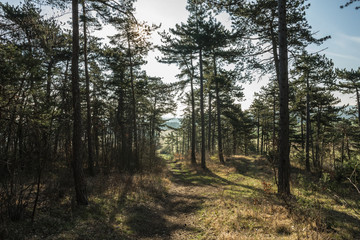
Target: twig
[{"x": 349, "y": 178}]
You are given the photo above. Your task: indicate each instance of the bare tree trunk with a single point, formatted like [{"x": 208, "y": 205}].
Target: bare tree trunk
[
  {"x": 284, "y": 146},
  {"x": 203, "y": 164},
  {"x": 209, "y": 125},
  {"x": 88, "y": 104},
  {"x": 262, "y": 141},
  {"x": 258, "y": 132},
  {"x": 234, "y": 143},
  {"x": 308, "y": 126},
  {"x": 79, "y": 178},
  {"x": 317, "y": 147},
  {"x": 135, "y": 152},
  {"x": 274, "y": 127},
  {"x": 358, "y": 103},
  {"x": 121, "y": 122},
  {"x": 193, "y": 123},
  {"x": 302, "y": 131},
  {"x": 218, "y": 108}
]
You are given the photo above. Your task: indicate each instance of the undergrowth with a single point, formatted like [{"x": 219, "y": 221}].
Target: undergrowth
[{"x": 237, "y": 200}]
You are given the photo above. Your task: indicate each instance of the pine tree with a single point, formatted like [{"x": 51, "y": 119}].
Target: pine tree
[{"x": 80, "y": 183}]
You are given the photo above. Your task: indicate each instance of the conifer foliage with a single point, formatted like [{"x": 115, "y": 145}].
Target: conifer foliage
[{"x": 71, "y": 101}]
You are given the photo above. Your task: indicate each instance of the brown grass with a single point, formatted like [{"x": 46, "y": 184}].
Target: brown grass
[{"x": 237, "y": 200}]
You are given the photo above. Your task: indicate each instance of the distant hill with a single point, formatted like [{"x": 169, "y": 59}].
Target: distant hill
[
  {"x": 172, "y": 123},
  {"x": 348, "y": 112}
]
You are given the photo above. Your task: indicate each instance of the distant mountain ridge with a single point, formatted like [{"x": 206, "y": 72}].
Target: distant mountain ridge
[{"x": 172, "y": 123}]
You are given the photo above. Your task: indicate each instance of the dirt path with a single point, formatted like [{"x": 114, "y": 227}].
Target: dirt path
[
  {"x": 174, "y": 214},
  {"x": 232, "y": 201}
]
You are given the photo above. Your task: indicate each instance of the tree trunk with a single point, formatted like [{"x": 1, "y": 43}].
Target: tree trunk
[
  {"x": 343, "y": 148},
  {"x": 358, "y": 103},
  {"x": 284, "y": 146},
  {"x": 193, "y": 123},
  {"x": 262, "y": 141},
  {"x": 234, "y": 143},
  {"x": 88, "y": 104},
  {"x": 302, "y": 131},
  {"x": 308, "y": 126},
  {"x": 274, "y": 127},
  {"x": 133, "y": 102},
  {"x": 317, "y": 147},
  {"x": 258, "y": 132},
  {"x": 203, "y": 164},
  {"x": 79, "y": 178},
  {"x": 209, "y": 125},
  {"x": 152, "y": 133},
  {"x": 48, "y": 82},
  {"x": 218, "y": 108},
  {"x": 121, "y": 122},
  {"x": 276, "y": 62}
]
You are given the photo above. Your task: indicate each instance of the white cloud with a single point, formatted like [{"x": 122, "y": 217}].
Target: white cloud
[
  {"x": 354, "y": 39},
  {"x": 344, "y": 56}
]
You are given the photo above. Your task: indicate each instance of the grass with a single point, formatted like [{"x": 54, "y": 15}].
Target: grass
[{"x": 237, "y": 200}]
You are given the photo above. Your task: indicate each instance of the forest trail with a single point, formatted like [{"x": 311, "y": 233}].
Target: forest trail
[
  {"x": 201, "y": 204},
  {"x": 237, "y": 200},
  {"x": 174, "y": 214},
  {"x": 188, "y": 191}
]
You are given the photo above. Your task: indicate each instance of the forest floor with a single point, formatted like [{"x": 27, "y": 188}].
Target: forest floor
[{"x": 237, "y": 200}]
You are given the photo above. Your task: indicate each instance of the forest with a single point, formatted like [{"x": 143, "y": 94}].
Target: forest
[{"x": 87, "y": 150}]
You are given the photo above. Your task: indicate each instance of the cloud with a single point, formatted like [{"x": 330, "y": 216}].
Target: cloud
[
  {"x": 354, "y": 39},
  {"x": 344, "y": 56}
]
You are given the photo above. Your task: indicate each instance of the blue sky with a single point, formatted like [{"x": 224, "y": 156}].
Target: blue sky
[{"x": 326, "y": 17}]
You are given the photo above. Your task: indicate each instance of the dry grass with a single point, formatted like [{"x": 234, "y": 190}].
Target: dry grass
[
  {"x": 237, "y": 200},
  {"x": 248, "y": 208}
]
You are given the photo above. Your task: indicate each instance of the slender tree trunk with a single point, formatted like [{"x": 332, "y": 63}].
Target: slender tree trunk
[
  {"x": 358, "y": 103},
  {"x": 308, "y": 126},
  {"x": 209, "y": 126},
  {"x": 152, "y": 133},
  {"x": 88, "y": 104},
  {"x": 262, "y": 141},
  {"x": 333, "y": 153},
  {"x": 284, "y": 146},
  {"x": 276, "y": 62},
  {"x": 317, "y": 148},
  {"x": 312, "y": 148},
  {"x": 234, "y": 142},
  {"x": 348, "y": 148},
  {"x": 274, "y": 46},
  {"x": 274, "y": 127},
  {"x": 218, "y": 108},
  {"x": 136, "y": 153},
  {"x": 203, "y": 163},
  {"x": 120, "y": 119},
  {"x": 343, "y": 148},
  {"x": 193, "y": 123},
  {"x": 258, "y": 132},
  {"x": 79, "y": 178},
  {"x": 48, "y": 81},
  {"x": 302, "y": 131}
]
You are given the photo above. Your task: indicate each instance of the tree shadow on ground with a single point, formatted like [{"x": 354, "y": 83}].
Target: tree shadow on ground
[
  {"x": 339, "y": 220},
  {"x": 150, "y": 218},
  {"x": 256, "y": 168},
  {"x": 149, "y": 222},
  {"x": 196, "y": 176}
]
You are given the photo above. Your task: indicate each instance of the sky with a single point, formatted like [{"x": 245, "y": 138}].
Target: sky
[{"x": 325, "y": 17}]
